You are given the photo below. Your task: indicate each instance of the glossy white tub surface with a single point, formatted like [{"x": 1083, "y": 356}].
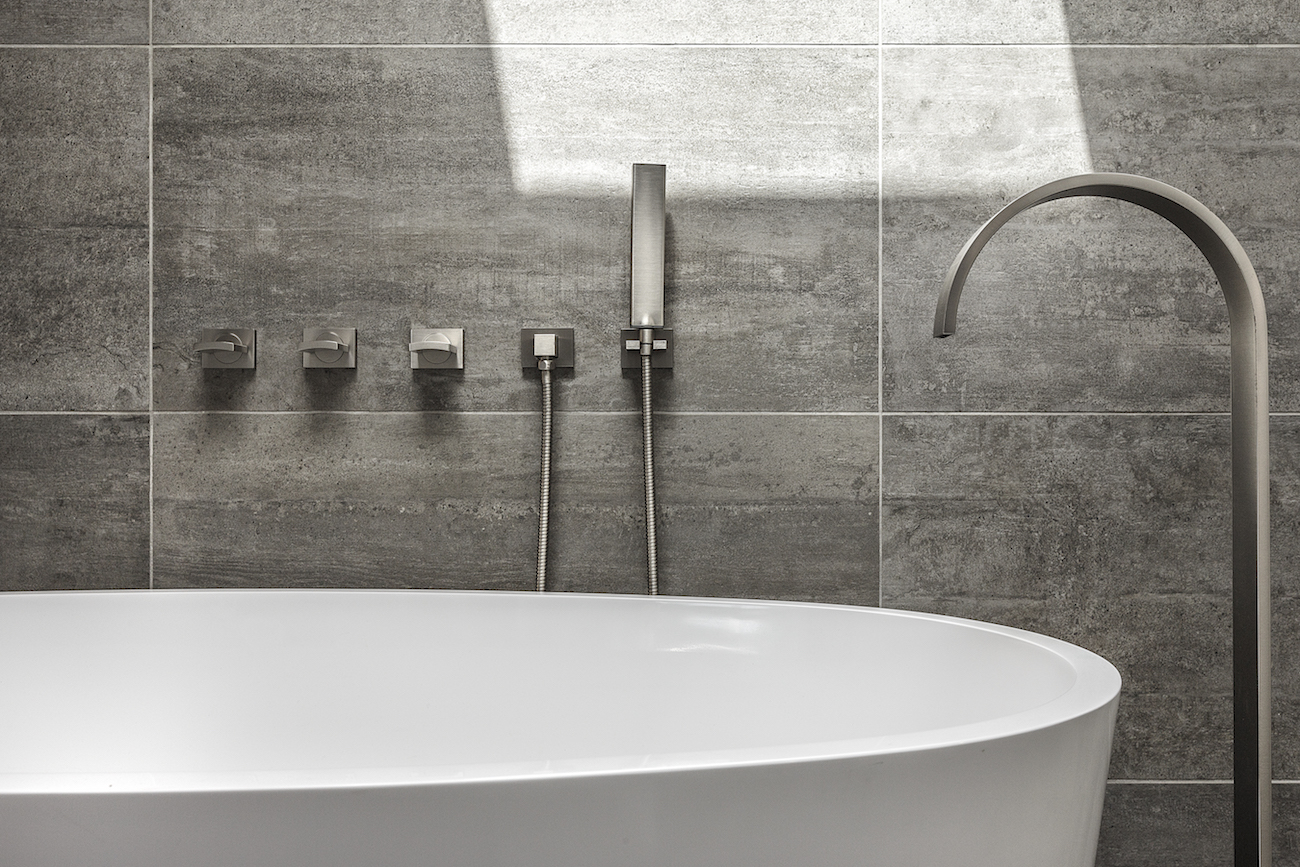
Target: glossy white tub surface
[{"x": 376, "y": 728}]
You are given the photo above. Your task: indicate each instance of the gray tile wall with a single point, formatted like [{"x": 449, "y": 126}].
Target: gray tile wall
[{"x": 1060, "y": 464}]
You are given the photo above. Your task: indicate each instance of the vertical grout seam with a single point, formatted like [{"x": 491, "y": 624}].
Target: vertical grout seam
[
  {"x": 149, "y": 296},
  {"x": 880, "y": 308}
]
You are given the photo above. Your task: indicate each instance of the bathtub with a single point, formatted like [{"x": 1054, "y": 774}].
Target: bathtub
[{"x": 377, "y": 728}]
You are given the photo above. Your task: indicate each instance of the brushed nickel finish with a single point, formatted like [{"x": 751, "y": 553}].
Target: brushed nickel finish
[{"x": 1252, "y": 732}]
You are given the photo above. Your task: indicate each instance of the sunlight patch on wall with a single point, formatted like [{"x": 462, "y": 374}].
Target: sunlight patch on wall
[
  {"x": 998, "y": 120},
  {"x": 748, "y": 121}
]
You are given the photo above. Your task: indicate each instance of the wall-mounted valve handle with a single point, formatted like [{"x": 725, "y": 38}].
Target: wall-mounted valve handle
[
  {"x": 220, "y": 346},
  {"x": 329, "y": 347},
  {"x": 326, "y": 345},
  {"x": 228, "y": 348},
  {"x": 437, "y": 348},
  {"x": 436, "y": 345}
]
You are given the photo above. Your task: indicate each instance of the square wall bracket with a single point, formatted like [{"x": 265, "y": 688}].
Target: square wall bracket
[
  {"x": 563, "y": 347},
  {"x": 660, "y": 358}
]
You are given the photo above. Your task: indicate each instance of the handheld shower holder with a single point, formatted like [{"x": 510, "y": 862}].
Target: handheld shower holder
[{"x": 661, "y": 355}]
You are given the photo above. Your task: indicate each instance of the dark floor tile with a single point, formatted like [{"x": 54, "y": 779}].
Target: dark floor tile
[{"x": 75, "y": 514}]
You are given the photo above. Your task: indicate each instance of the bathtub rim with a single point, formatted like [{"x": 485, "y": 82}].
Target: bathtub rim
[{"x": 1096, "y": 689}]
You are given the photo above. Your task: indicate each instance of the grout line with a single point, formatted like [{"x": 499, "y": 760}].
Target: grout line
[
  {"x": 564, "y": 46},
  {"x": 1065, "y": 413},
  {"x": 880, "y": 307},
  {"x": 878, "y": 44},
  {"x": 483, "y": 412},
  {"x": 111, "y": 413},
  {"x": 1174, "y": 782},
  {"x": 149, "y": 271},
  {"x": 682, "y": 413},
  {"x": 1143, "y": 46}
]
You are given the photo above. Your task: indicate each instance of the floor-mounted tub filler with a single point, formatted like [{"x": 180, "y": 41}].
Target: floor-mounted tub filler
[
  {"x": 277, "y": 728},
  {"x": 1248, "y": 370}
]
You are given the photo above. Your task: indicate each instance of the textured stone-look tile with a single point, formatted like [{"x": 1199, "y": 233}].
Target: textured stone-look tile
[
  {"x": 1156, "y": 825},
  {"x": 1152, "y": 825},
  {"x": 501, "y": 21},
  {"x": 1083, "y": 304},
  {"x": 325, "y": 22},
  {"x": 1110, "y": 532},
  {"x": 1149, "y": 21},
  {"x": 74, "y": 240},
  {"x": 1285, "y": 507},
  {"x": 377, "y": 187},
  {"x": 969, "y": 21},
  {"x": 337, "y": 499},
  {"x": 97, "y": 22},
  {"x": 75, "y": 514},
  {"x": 1087, "y": 21},
  {"x": 750, "y": 505},
  {"x": 1286, "y": 824},
  {"x": 780, "y": 507},
  {"x": 962, "y": 121},
  {"x": 1219, "y": 123},
  {"x": 682, "y": 21}
]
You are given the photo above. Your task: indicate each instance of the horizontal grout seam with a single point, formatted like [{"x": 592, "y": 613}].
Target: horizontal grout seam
[{"x": 982, "y": 46}]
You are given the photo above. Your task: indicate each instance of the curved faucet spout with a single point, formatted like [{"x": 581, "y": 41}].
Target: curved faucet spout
[{"x": 1252, "y": 734}]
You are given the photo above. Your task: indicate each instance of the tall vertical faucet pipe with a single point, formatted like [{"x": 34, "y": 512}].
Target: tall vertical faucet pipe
[
  {"x": 1252, "y": 733},
  {"x": 649, "y": 217}
]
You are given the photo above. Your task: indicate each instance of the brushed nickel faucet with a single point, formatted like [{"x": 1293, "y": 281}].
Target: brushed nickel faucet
[{"x": 1252, "y": 732}]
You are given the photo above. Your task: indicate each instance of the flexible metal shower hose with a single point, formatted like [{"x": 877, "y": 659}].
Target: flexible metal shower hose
[
  {"x": 647, "y": 436},
  {"x": 544, "y": 508}
]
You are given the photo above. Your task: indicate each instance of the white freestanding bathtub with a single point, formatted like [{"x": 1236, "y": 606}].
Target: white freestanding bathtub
[{"x": 368, "y": 729}]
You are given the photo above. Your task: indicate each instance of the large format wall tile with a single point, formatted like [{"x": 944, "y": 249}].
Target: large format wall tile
[
  {"x": 338, "y": 499},
  {"x": 325, "y": 21},
  {"x": 1285, "y": 465},
  {"x": 1153, "y": 825},
  {"x": 98, "y": 22},
  {"x": 1088, "y": 304},
  {"x": 1153, "y": 21},
  {"x": 972, "y": 21},
  {"x": 1140, "y": 22},
  {"x": 386, "y": 188},
  {"x": 75, "y": 513},
  {"x": 74, "y": 293},
  {"x": 754, "y": 505},
  {"x": 1220, "y": 124},
  {"x": 1111, "y": 532},
  {"x": 770, "y": 506},
  {"x": 502, "y": 21}
]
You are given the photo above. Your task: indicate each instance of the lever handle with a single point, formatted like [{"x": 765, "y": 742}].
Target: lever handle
[
  {"x": 325, "y": 345},
  {"x": 441, "y": 345},
  {"x": 227, "y": 348},
  {"x": 220, "y": 346},
  {"x": 427, "y": 343}
]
